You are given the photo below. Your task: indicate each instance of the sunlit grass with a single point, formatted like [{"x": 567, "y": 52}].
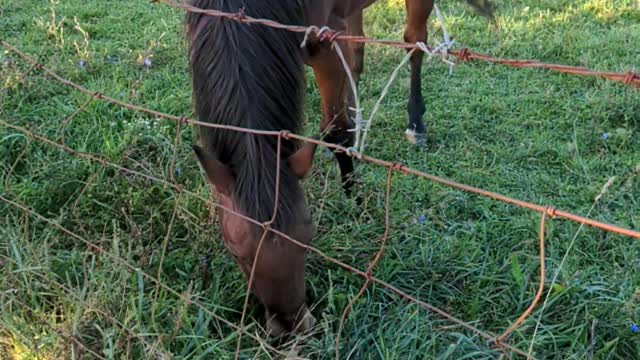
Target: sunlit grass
[{"x": 18, "y": 348}]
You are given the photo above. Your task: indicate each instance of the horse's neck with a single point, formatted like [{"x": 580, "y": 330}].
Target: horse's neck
[{"x": 321, "y": 12}]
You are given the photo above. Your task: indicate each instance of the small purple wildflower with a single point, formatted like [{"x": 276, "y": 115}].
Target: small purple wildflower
[
  {"x": 82, "y": 63},
  {"x": 121, "y": 95},
  {"x": 634, "y": 328},
  {"x": 422, "y": 219},
  {"x": 148, "y": 62},
  {"x": 604, "y": 136}
]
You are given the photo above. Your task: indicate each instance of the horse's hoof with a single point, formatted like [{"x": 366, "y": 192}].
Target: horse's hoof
[
  {"x": 418, "y": 139},
  {"x": 307, "y": 323},
  {"x": 275, "y": 329}
]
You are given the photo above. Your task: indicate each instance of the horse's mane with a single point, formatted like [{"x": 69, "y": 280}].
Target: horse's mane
[{"x": 250, "y": 76}]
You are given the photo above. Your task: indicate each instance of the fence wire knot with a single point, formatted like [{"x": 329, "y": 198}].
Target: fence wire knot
[
  {"x": 285, "y": 134},
  {"x": 551, "y": 211},
  {"x": 331, "y": 35},
  {"x": 266, "y": 226},
  {"x": 397, "y": 167},
  {"x": 324, "y": 33},
  {"x": 464, "y": 55},
  {"x": 630, "y": 77},
  {"x": 369, "y": 275},
  {"x": 422, "y": 46},
  {"x": 183, "y": 120},
  {"x": 352, "y": 151},
  {"x": 240, "y": 15}
]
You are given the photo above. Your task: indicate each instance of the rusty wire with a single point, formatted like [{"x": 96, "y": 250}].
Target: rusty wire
[
  {"x": 628, "y": 78},
  {"x": 552, "y": 211},
  {"x": 538, "y": 295}
]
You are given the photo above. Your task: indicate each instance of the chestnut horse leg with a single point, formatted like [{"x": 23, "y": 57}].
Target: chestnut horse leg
[
  {"x": 418, "y": 12},
  {"x": 334, "y": 87},
  {"x": 355, "y": 27}
]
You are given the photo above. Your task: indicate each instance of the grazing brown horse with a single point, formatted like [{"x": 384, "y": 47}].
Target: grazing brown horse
[{"x": 253, "y": 77}]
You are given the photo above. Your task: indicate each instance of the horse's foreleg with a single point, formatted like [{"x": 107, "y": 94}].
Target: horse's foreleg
[
  {"x": 355, "y": 27},
  {"x": 418, "y": 12},
  {"x": 333, "y": 85}
]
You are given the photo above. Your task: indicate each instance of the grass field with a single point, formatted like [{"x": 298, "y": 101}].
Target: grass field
[{"x": 534, "y": 135}]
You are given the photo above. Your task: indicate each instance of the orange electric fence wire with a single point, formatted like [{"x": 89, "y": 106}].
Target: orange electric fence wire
[{"x": 551, "y": 211}]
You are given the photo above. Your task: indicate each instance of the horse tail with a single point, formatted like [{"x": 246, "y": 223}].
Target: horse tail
[{"x": 250, "y": 76}]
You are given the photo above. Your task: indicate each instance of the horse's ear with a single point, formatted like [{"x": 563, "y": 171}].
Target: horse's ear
[
  {"x": 218, "y": 174},
  {"x": 300, "y": 162}
]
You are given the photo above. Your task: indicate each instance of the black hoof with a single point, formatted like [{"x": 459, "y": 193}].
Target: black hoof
[{"x": 418, "y": 139}]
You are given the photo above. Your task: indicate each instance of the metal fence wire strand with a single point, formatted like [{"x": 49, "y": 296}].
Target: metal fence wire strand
[
  {"x": 400, "y": 168},
  {"x": 540, "y": 291},
  {"x": 629, "y": 78}
]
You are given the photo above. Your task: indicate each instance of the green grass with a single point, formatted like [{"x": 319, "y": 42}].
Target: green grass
[{"x": 529, "y": 134}]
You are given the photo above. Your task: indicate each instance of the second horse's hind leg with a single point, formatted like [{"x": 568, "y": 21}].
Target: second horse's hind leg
[{"x": 418, "y": 12}]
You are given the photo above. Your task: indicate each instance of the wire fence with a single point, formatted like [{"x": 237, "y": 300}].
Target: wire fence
[
  {"x": 629, "y": 77},
  {"x": 497, "y": 340}
]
